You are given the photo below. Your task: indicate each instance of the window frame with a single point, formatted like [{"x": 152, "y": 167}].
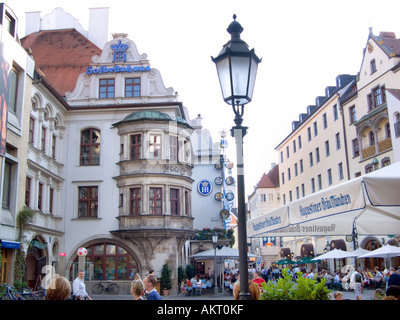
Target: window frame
[
  {"x": 155, "y": 201},
  {"x": 107, "y": 94},
  {"x": 90, "y": 145},
  {"x": 132, "y": 87},
  {"x": 135, "y": 201},
  {"x": 89, "y": 202}
]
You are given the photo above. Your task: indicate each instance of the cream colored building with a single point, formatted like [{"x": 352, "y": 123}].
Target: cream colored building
[
  {"x": 370, "y": 118},
  {"x": 312, "y": 158},
  {"x": 354, "y": 129}
]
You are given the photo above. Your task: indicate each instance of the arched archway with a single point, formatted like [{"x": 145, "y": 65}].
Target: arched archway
[
  {"x": 112, "y": 260},
  {"x": 36, "y": 259},
  {"x": 370, "y": 263}
]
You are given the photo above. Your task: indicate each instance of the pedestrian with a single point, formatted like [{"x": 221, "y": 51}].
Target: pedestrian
[
  {"x": 378, "y": 278},
  {"x": 258, "y": 279},
  {"x": 356, "y": 282},
  {"x": 137, "y": 289},
  {"x": 79, "y": 287},
  {"x": 338, "y": 295},
  {"x": 59, "y": 289},
  {"x": 150, "y": 283},
  {"x": 393, "y": 291},
  {"x": 393, "y": 278},
  {"x": 254, "y": 289}
]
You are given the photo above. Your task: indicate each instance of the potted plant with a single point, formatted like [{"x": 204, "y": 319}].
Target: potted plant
[{"x": 166, "y": 284}]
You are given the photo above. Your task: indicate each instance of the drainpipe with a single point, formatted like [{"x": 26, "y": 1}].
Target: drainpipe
[{"x": 345, "y": 139}]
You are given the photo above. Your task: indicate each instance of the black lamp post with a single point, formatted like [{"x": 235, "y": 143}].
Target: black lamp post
[{"x": 237, "y": 70}]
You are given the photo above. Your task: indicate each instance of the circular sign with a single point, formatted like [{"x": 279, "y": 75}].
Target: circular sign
[
  {"x": 224, "y": 214},
  {"x": 229, "y": 196},
  {"x": 218, "y": 196},
  {"x": 204, "y": 187},
  {"x": 218, "y": 181},
  {"x": 230, "y": 180},
  {"x": 218, "y": 166}
]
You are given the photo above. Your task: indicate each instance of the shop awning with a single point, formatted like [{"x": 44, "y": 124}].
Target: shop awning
[
  {"x": 38, "y": 244},
  {"x": 10, "y": 244},
  {"x": 369, "y": 204}
]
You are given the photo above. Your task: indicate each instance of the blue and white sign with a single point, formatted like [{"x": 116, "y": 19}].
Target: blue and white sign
[{"x": 204, "y": 187}]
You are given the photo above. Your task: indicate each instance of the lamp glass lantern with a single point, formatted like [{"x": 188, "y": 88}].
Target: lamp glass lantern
[{"x": 237, "y": 68}]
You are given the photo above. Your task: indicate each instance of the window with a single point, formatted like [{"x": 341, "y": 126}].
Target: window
[
  {"x": 299, "y": 142},
  {"x": 12, "y": 102},
  {"x": 31, "y": 130},
  {"x": 324, "y": 121},
  {"x": 173, "y": 148},
  {"x": 335, "y": 112},
  {"x": 319, "y": 182},
  {"x": 281, "y": 156},
  {"x": 287, "y": 152},
  {"x": 111, "y": 262},
  {"x": 53, "y": 146},
  {"x": 309, "y": 133},
  {"x": 289, "y": 174},
  {"x": 329, "y": 177},
  {"x": 135, "y": 201},
  {"x": 106, "y": 88},
  {"x": 356, "y": 148},
  {"x": 155, "y": 201},
  {"x": 136, "y": 146},
  {"x": 371, "y": 137},
  {"x": 132, "y": 87},
  {"x": 187, "y": 204},
  {"x": 315, "y": 129},
  {"x": 88, "y": 202},
  {"x": 376, "y": 98},
  {"x": 311, "y": 159},
  {"x": 303, "y": 190},
  {"x": 174, "y": 201},
  {"x": 373, "y": 66},
  {"x": 40, "y": 197},
  {"x": 90, "y": 147},
  {"x": 294, "y": 146},
  {"x": 28, "y": 191},
  {"x": 6, "y": 199},
  {"x": 283, "y": 177},
  {"x": 352, "y": 114},
  {"x": 296, "y": 172},
  {"x": 317, "y": 155},
  {"x": 327, "y": 149},
  {"x": 155, "y": 146},
  {"x": 387, "y": 130},
  {"x": 338, "y": 144},
  {"x": 51, "y": 200},
  {"x": 43, "y": 139},
  {"x": 9, "y": 23},
  {"x": 312, "y": 185},
  {"x": 301, "y": 166},
  {"x": 341, "y": 171}
]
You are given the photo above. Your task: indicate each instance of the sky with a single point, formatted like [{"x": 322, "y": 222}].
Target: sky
[{"x": 304, "y": 46}]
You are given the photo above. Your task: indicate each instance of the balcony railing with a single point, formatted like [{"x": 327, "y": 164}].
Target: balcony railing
[{"x": 383, "y": 146}]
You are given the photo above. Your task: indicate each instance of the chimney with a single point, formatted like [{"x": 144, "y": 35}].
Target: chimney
[
  {"x": 32, "y": 22},
  {"x": 98, "y": 26}
]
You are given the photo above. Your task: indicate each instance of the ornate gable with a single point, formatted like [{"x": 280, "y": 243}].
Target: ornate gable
[{"x": 120, "y": 60}]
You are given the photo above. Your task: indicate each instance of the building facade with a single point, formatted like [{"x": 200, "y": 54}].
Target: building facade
[
  {"x": 106, "y": 157},
  {"x": 17, "y": 68},
  {"x": 350, "y": 131}
]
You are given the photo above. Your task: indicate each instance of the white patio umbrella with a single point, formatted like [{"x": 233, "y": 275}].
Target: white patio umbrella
[
  {"x": 385, "y": 252},
  {"x": 356, "y": 253},
  {"x": 334, "y": 254},
  {"x": 224, "y": 252}
]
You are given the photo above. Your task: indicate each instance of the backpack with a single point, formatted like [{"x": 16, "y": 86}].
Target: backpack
[{"x": 357, "y": 277}]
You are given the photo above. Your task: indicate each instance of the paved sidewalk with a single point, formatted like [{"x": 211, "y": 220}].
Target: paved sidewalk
[{"x": 367, "y": 295}]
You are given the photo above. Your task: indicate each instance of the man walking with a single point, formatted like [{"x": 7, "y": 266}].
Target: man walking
[{"x": 150, "y": 283}]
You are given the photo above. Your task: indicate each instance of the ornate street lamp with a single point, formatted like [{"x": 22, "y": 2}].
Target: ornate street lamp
[
  {"x": 237, "y": 70},
  {"x": 215, "y": 241}
]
